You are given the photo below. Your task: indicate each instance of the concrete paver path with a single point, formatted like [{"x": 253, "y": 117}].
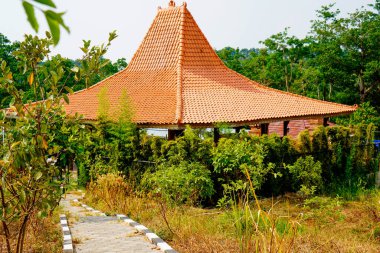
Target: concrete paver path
[{"x": 99, "y": 234}]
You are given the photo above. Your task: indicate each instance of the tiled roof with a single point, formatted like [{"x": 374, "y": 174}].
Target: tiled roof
[{"x": 176, "y": 78}]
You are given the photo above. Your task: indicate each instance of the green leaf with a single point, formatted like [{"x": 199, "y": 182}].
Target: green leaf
[
  {"x": 66, "y": 98},
  {"x": 15, "y": 144},
  {"x": 105, "y": 63},
  {"x": 38, "y": 175},
  {"x": 75, "y": 69},
  {"x": 31, "y": 78},
  {"x": 22, "y": 196},
  {"x": 54, "y": 76},
  {"x": 29, "y": 10},
  {"x": 54, "y": 21},
  {"x": 69, "y": 90},
  {"x": 54, "y": 28},
  {"x": 58, "y": 18},
  {"x": 112, "y": 35},
  {"x": 46, "y": 2}
]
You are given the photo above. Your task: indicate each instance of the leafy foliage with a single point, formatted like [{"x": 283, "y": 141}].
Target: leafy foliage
[
  {"x": 92, "y": 61},
  {"x": 71, "y": 70},
  {"x": 307, "y": 173},
  {"x": 177, "y": 184},
  {"x": 365, "y": 114},
  {"x": 53, "y": 18},
  {"x": 39, "y": 141},
  {"x": 233, "y": 159}
]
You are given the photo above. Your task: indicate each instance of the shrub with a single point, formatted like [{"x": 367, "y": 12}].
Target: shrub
[
  {"x": 83, "y": 175},
  {"x": 304, "y": 142},
  {"x": 280, "y": 151},
  {"x": 307, "y": 174},
  {"x": 178, "y": 184},
  {"x": 233, "y": 159},
  {"x": 340, "y": 142},
  {"x": 189, "y": 147},
  {"x": 109, "y": 189}
]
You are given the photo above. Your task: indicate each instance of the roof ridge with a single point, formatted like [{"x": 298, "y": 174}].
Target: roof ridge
[
  {"x": 179, "y": 107},
  {"x": 205, "y": 38},
  {"x": 138, "y": 51}
]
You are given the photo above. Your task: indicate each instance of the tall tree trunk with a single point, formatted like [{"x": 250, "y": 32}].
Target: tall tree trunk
[
  {"x": 7, "y": 236},
  {"x": 330, "y": 91},
  {"x": 4, "y": 224},
  {"x": 362, "y": 90},
  {"x": 21, "y": 235},
  {"x": 286, "y": 78}
]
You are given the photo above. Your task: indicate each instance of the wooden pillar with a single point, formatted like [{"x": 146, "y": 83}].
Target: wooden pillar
[
  {"x": 238, "y": 129},
  {"x": 138, "y": 134},
  {"x": 173, "y": 134},
  {"x": 216, "y": 135},
  {"x": 325, "y": 122},
  {"x": 286, "y": 124},
  {"x": 264, "y": 128}
]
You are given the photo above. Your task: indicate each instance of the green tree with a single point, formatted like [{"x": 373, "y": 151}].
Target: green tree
[
  {"x": 285, "y": 58},
  {"x": 41, "y": 141},
  {"x": 365, "y": 114},
  {"x": 34, "y": 146},
  {"x": 338, "y": 60},
  {"x": 361, "y": 45},
  {"x": 6, "y": 53},
  {"x": 72, "y": 81}
]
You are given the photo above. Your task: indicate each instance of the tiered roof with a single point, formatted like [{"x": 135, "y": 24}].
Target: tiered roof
[{"x": 176, "y": 78}]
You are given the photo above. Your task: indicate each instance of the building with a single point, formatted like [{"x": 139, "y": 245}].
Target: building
[{"x": 176, "y": 79}]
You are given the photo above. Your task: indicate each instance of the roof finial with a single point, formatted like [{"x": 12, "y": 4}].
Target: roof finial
[{"x": 171, "y": 3}]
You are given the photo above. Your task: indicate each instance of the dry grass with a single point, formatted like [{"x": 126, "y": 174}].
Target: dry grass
[
  {"x": 43, "y": 235},
  {"x": 334, "y": 226}
]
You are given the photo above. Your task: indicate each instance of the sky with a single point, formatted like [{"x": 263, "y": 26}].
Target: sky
[{"x": 237, "y": 23}]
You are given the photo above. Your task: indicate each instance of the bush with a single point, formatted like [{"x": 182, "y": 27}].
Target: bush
[
  {"x": 307, "y": 175},
  {"x": 83, "y": 175},
  {"x": 344, "y": 155},
  {"x": 190, "y": 147},
  {"x": 233, "y": 159},
  {"x": 109, "y": 189},
  {"x": 178, "y": 184},
  {"x": 280, "y": 151}
]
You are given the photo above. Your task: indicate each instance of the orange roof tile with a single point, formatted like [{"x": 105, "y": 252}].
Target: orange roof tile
[{"x": 176, "y": 78}]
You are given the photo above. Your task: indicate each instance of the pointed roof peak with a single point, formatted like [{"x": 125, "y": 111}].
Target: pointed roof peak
[{"x": 171, "y": 3}]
